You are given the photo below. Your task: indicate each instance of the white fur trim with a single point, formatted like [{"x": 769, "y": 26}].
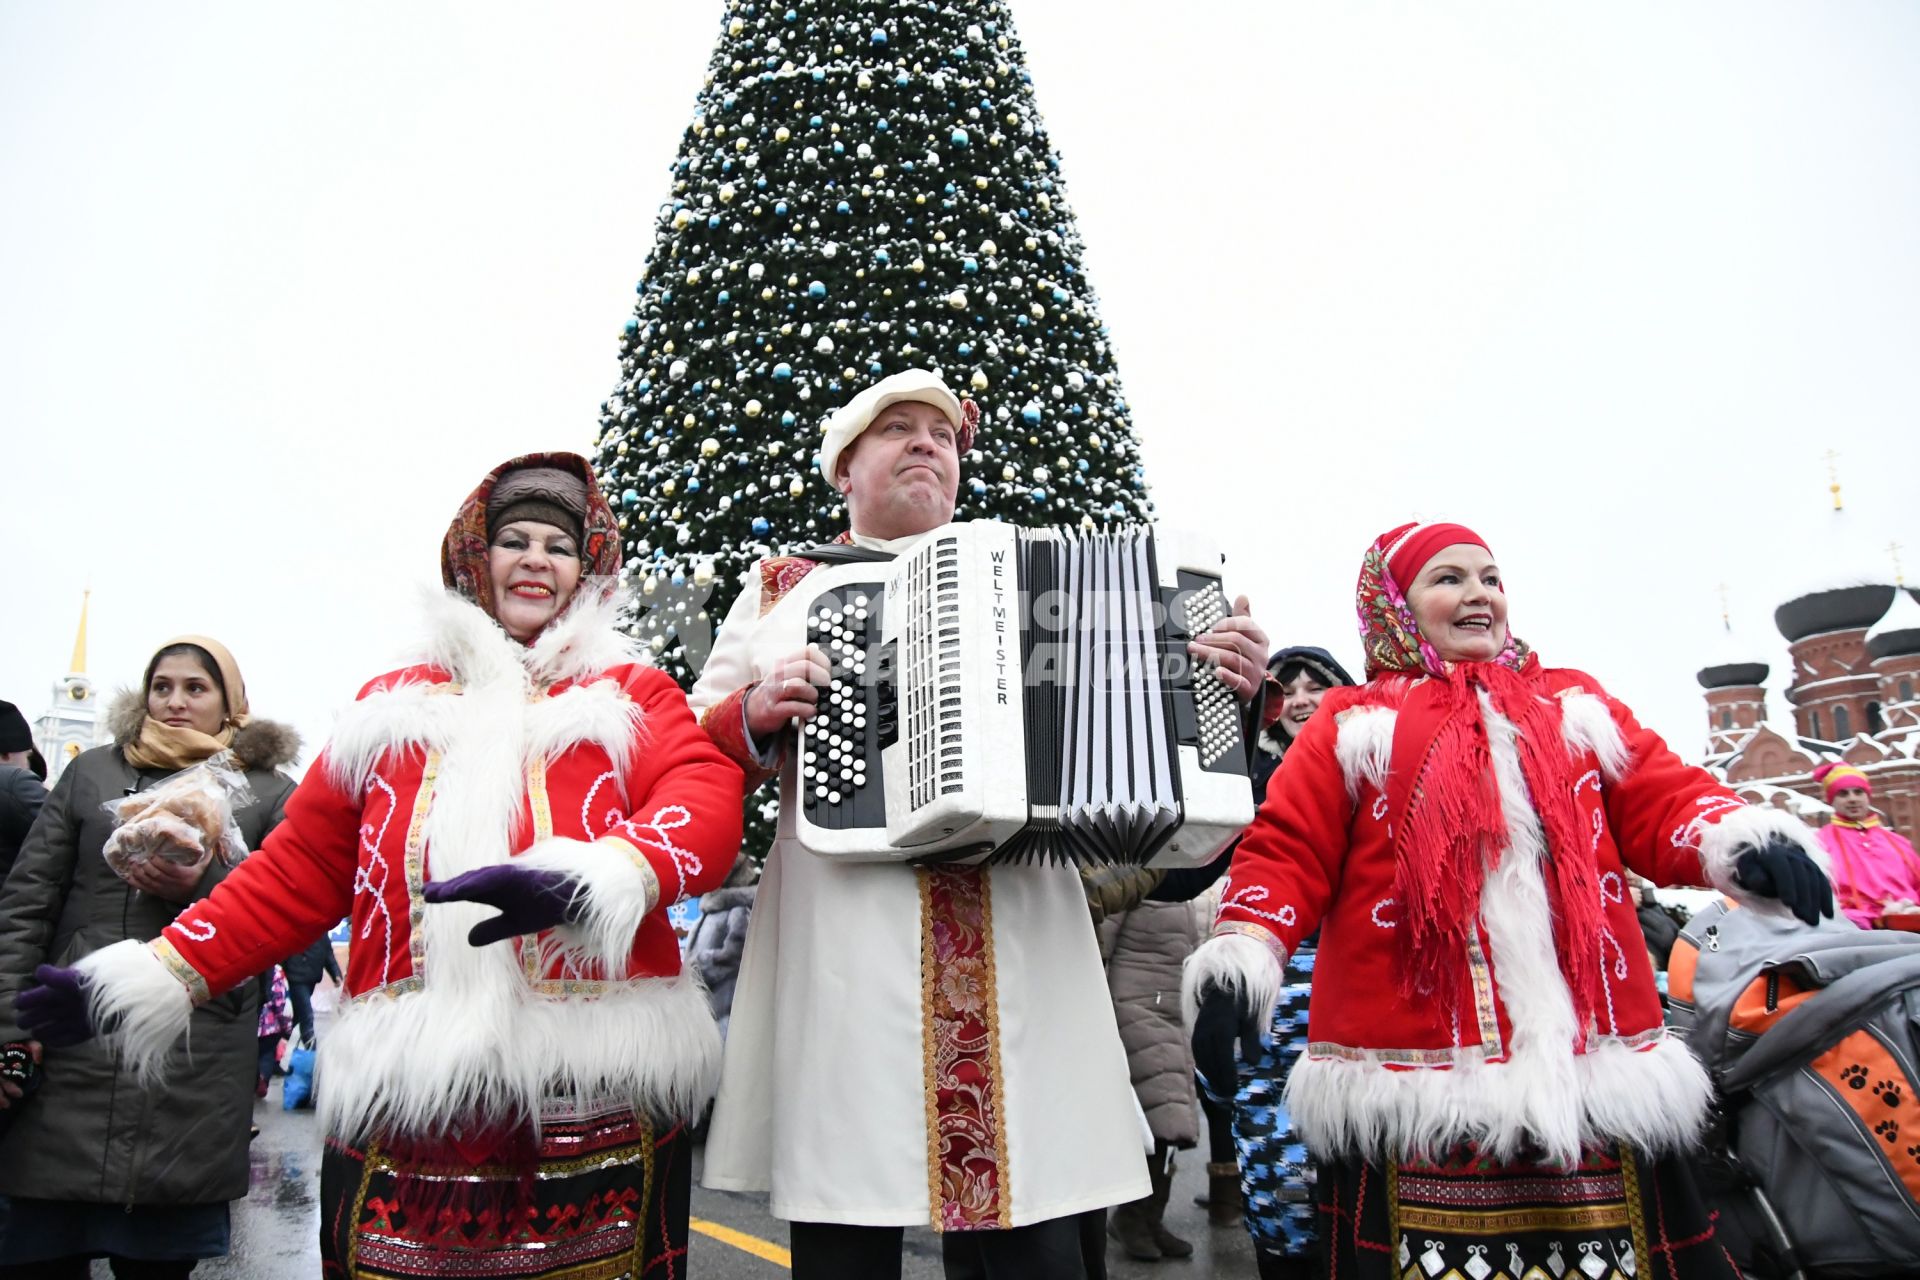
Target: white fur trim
[
  {"x": 401, "y": 717},
  {"x": 425, "y": 1060},
  {"x": 600, "y": 713},
  {"x": 1539, "y": 1091},
  {"x": 1722, "y": 842},
  {"x": 1364, "y": 747},
  {"x": 145, "y": 1007},
  {"x": 1233, "y": 962},
  {"x": 1587, "y": 725},
  {"x": 614, "y": 889},
  {"x": 1651, "y": 1098},
  {"x": 586, "y": 639}
]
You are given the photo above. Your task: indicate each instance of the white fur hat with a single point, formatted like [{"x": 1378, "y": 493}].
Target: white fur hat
[{"x": 858, "y": 413}]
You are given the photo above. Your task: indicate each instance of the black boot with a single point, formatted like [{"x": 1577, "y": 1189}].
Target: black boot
[
  {"x": 1132, "y": 1225},
  {"x": 1169, "y": 1244}
]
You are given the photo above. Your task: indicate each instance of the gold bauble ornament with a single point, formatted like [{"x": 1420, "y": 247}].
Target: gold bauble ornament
[
  {"x": 796, "y": 487},
  {"x": 753, "y": 408},
  {"x": 978, "y": 381},
  {"x": 667, "y": 487},
  {"x": 709, "y": 447}
]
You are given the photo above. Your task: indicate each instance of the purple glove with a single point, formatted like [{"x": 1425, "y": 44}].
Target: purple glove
[
  {"x": 56, "y": 1010},
  {"x": 529, "y": 900}
]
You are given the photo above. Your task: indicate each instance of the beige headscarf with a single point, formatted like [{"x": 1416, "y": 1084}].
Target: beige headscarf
[{"x": 161, "y": 746}]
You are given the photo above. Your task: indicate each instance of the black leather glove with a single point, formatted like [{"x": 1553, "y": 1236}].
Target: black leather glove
[
  {"x": 1222, "y": 1019},
  {"x": 1781, "y": 869}
]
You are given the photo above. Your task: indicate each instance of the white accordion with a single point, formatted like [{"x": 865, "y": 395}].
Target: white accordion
[{"x": 1019, "y": 695}]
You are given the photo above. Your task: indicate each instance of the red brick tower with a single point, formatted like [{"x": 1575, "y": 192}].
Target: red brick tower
[
  {"x": 1833, "y": 678},
  {"x": 1736, "y": 698}
]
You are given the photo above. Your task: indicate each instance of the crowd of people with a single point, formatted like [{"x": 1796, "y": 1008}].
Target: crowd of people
[{"x": 1412, "y": 996}]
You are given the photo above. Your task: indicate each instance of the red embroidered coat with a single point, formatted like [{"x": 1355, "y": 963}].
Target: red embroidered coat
[
  {"x": 1384, "y": 1077},
  {"x": 567, "y": 755}
]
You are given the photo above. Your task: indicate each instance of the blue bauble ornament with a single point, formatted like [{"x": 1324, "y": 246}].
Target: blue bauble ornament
[
  {"x": 761, "y": 528},
  {"x": 1031, "y": 415},
  {"x": 787, "y": 419},
  {"x": 818, "y": 288},
  {"x": 969, "y": 266},
  {"x": 879, "y": 36},
  {"x": 843, "y": 207},
  {"x": 959, "y": 138},
  {"x": 882, "y": 257},
  {"x": 1038, "y": 495},
  {"x": 633, "y": 326},
  {"x": 782, "y": 372},
  {"x": 629, "y": 498}
]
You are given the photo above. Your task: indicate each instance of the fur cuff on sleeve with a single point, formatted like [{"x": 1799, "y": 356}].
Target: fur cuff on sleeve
[
  {"x": 139, "y": 1002},
  {"x": 1747, "y": 827},
  {"x": 1237, "y": 962},
  {"x": 615, "y": 888}
]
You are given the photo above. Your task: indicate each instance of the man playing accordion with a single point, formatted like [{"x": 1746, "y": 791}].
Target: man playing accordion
[{"x": 913, "y": 1044}]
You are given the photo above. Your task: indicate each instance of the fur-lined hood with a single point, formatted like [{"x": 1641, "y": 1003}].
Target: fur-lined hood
[{"x": 261, "y": 744}]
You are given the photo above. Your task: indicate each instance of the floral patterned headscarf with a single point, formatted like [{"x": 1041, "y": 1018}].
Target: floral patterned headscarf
[
  {"x": 463, "y": 555},
  {"x": 1389, "y": 633}
]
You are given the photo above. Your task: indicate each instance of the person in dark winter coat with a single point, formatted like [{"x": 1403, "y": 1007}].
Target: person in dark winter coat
[
  {"x": 21, "y": 792},
  {"x": 1257, "y": 1166},
  {"x": 1144, "y": 947},
  {"x": 96, "y": 1162},
  {"x": 304, "y": 969}
]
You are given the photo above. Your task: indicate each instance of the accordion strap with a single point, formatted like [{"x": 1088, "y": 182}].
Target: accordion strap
[{"x": 844, "y": 553}]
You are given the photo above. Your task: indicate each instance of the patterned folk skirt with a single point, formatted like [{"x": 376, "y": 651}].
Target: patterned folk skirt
[
  {"x": 1616, "y": 1216},
  {"x": 1276, "y": 1178},
  {"x": 599, "y": 1196}
]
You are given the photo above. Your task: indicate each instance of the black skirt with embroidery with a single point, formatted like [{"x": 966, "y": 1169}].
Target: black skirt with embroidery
[
  {"x": 601, "y": 1196},
  {"x": 1615, "y": 1216}
]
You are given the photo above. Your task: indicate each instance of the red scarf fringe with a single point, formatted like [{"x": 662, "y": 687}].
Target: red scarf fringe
[{"x": 1454, "y": 831}]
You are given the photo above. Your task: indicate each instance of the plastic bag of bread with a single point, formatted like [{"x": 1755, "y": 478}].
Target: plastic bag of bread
[{"x": 187, "y": 819}]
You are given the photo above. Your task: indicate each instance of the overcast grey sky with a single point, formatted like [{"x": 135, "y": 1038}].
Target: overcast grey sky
[{"x": 277, "y": 283}]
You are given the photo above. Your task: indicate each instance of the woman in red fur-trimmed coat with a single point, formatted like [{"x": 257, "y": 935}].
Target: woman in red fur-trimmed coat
[
  {"x": 502, "y": 1094},
  {"x": 1487, "y": 1075}
]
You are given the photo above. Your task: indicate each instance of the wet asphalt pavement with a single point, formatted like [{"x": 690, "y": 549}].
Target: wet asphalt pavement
[{"x": 276, "y": 1228}]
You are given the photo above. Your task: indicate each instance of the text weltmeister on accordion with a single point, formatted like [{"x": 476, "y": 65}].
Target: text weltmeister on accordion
[{"x": 1020, "y": 694}]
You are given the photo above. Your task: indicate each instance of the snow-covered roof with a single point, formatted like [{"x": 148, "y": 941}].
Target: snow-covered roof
[{"x": 1898, "y": 630}]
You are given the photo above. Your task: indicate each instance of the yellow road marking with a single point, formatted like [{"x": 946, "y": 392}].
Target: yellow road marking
[{"x": 741, "y": 1240}]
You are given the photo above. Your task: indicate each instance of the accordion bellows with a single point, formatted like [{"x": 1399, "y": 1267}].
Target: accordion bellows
[{"x": 1020, "y": 695}]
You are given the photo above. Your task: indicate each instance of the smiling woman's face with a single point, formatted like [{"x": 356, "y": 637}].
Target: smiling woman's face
[
  {"x": 1460, "y": 604},
  {"x": 535, "y": 568}
]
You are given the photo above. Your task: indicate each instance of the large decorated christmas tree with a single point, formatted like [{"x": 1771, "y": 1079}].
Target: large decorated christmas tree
[{"x": 865, "y": 188}]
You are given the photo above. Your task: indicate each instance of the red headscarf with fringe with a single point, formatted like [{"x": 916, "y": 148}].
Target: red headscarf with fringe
[{"x": 1448, "y": 826}]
